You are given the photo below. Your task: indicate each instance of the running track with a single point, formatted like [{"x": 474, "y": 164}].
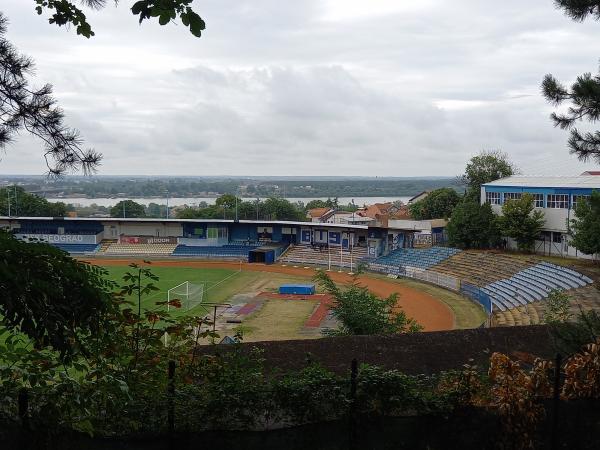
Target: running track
[{"x": 433, "y": 314}]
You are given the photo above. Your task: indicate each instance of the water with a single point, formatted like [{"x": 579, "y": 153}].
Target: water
[{"x": 194, "y": 201}]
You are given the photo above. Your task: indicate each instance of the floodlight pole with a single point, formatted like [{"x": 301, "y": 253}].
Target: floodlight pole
[
  {"x": 351, "y": 247},
  {"x": 341, "y": 252},
  {"x": 167, "y": 203},
  {"x": 8, "y": 198}
]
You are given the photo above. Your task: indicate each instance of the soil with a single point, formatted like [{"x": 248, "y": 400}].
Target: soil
[{"x": 430, "y": 312}]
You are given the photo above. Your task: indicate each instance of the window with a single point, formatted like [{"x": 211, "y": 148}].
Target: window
[
  {"x": 558, "y": 201},
  {"x": 492, "y": 198},
  {"x": 212, "y": 233},
  {"x": 538, "y": 200},
  {"x": 512, "y": 196},
  {"x": 578, "y": 198},
  {"x": 557, "y": 238}
]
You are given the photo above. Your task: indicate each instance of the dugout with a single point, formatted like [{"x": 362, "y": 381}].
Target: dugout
[{"x": 262, "y": 255}]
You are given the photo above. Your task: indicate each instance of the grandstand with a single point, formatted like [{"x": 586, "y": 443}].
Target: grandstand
[
  {"x": 139, "y": 249},
  {"x": 322, "y": 255},
  {"x": 507, "y": 282},
  {"x": 236, "y": 251},
  {"x": 78, "y": 249},
  {"x": 422, "y": 259}
]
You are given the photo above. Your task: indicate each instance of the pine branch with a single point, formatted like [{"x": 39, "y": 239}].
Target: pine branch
[{"x": 579, "y": 10}]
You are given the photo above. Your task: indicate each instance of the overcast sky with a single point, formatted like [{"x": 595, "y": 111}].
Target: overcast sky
[{"x": 310, "y": 87}]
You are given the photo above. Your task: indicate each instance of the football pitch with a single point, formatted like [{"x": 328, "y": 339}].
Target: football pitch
[{"x": 219, "y": 284}]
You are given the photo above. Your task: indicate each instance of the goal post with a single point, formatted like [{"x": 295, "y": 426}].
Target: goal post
[{"x": 190, "y": 294}]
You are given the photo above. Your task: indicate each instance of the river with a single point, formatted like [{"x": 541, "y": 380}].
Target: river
[{"x": 192, "y": 201}]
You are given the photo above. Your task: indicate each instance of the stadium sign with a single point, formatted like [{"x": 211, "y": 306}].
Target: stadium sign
[
  {"x": 147, "y": 240},
  {"x": 60, "y": 238}
]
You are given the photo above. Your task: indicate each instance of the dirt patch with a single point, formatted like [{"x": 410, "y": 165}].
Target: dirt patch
[
  {"x": 277, "y": 320},
  {"x": 433, "y": 314}
]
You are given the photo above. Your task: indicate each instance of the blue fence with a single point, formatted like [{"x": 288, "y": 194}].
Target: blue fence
[{"x": 478, "y": 295}]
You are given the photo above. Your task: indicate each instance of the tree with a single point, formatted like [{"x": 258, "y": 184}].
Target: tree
[
  {"x": 521, "y": 221},
  {"x": 128, "y": 208},
  {"x": 473, "y": 225},
  {"x": 585, "y": 226},
  {"x": 35, "y": 111},
  {"x": 156, "y": 210},
  {"x": 65, "y": 12},
  {"x": 49, "y": 296},
  {"x": 316, "y": 204},
  {"x": 24, "y": 204},
  {"x": 361, "y": 312},
  {"x": 437, "y": 205},
  {"x": 584, "y": 94},
  {"x": 281, "y": 209},
  {"x": 486, "y": 167},
  {"x": 227, "y": 201},
  {"x": 557, "y": 307}
]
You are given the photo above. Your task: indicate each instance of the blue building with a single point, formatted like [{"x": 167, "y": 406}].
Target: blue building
[{"x": 556, "y": 197}]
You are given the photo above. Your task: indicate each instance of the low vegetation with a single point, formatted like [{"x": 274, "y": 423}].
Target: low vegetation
[{"x": 361, "y": 312}]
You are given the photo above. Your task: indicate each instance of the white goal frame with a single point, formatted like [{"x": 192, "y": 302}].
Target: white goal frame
[{"x": 183, "y": 290}]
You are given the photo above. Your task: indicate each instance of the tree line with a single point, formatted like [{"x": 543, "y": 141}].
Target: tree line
[{"x": 163, "y": 187}]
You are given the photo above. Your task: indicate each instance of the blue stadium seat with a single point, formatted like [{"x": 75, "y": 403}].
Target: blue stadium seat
[
  {"x": 78, "y": 248},
  {"x": 225, "y": 251},
  {"x": 420, "y": 258}
]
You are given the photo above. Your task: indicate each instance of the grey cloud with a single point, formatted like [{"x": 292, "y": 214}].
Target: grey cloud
[{"x": 279, "y": 88}]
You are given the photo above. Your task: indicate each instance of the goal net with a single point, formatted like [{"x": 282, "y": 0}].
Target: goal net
[{"x": 189, "y": 294}]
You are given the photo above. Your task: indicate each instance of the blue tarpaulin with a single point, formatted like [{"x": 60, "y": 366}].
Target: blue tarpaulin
[{"x": 302, "y": 289}]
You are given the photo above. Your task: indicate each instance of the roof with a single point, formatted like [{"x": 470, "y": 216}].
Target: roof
[
  {"x": 207, "y": 221},
  {"x": 592, "y": 172},
  {"x": 318, "y": 212},
  {"x": 581, "y": 181},
  {"x": 418, "y": 195}
]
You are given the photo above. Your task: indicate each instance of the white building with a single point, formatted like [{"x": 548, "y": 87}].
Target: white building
[{"x": 555, "y": 196}]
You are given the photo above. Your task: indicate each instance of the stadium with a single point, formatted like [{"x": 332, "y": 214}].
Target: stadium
[{"x": 233, "y": 270}]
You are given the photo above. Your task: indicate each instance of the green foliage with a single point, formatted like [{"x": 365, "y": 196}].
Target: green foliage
[
  {"x": 570, "y": 336},
  {"x": 485, "y": 168},
  {"x": 24, "y": 204},
  {"x": 282, "y": 209},
  {"x": 389, "y": 392},
  {"x": 224, "y": 208},
  {"x": 557, "y": 307},
  {"x": 361, "y": 312},
  {"x": 49, "y": 296},
  {"x": 437, "y": 205},
  {"x": 227, "y": 201},
  {"x": 329, "y": 203},
  {"x": 579, "y": 10},
  {"x": 128, "y": 209},
  {"x": 64, "y": 12},
  {"x": 156, "y": 210},
  {"x": 585, "y": 226},
  {"x": 521, "y": 221},
  {"x": 584, "y": 94},
  {"x": 473, "y": 225}
]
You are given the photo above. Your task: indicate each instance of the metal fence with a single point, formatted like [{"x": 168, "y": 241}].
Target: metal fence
[
  {"x": 446, "y": 281},
  {"x": 478, "y": 295}
]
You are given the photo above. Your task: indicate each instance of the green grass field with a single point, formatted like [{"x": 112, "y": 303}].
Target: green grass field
[{"x": 219, "y": 284}]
